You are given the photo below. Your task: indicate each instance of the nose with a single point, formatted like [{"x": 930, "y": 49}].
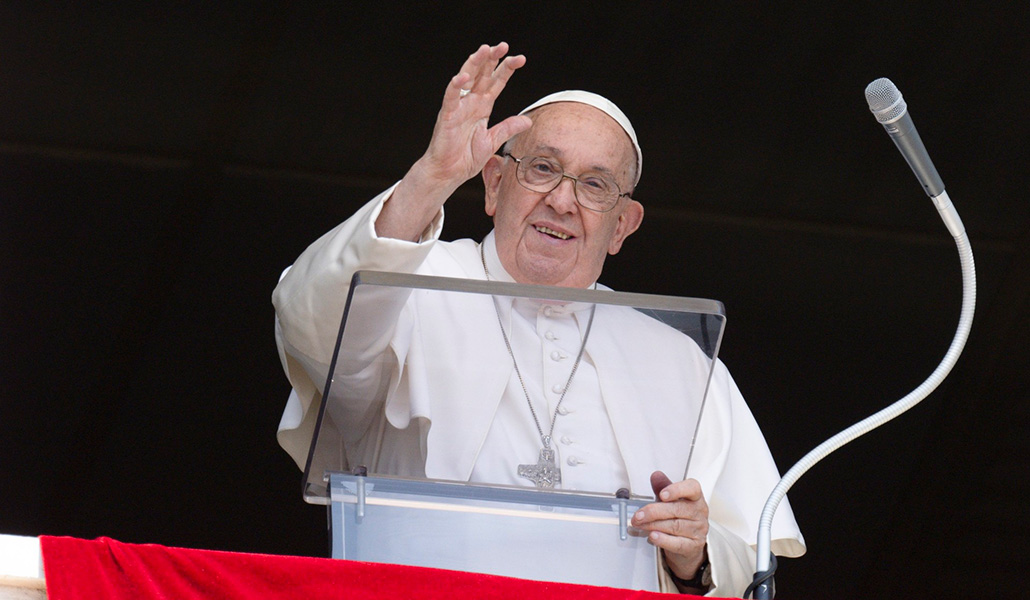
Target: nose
[{"x": 563, "y": 197}]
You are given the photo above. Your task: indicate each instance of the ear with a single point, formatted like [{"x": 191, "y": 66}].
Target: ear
[
  {"x": 492, "y": 182},
  {"x": 629, "y": 221}
]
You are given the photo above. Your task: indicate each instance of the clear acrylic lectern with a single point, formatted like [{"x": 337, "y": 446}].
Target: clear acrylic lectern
[{"x": 419, "y": 366}]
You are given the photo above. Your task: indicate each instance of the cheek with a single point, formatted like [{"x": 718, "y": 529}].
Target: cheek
[
  {"x": 514, "y": 209},
  {"x": 508, "y": 221},
  {"x": 603, "y": 233}
]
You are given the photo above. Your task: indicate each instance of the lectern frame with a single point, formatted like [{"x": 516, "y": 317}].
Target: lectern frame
[{"x": 364, "y": 505}]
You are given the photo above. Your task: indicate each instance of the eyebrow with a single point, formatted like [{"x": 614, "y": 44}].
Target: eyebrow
[{"x": 557, "y": 153}]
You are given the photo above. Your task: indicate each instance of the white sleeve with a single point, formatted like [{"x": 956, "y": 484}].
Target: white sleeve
[
  {"x": 737, "y": 472},
  {"x": 309, "y": 303},
  {"x": 747, "y": 477}
]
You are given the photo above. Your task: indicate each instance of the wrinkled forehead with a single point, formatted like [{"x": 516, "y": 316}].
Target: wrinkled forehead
[
  {"x": 564, "y": 127},
  {"x": 602, "y": 104}
]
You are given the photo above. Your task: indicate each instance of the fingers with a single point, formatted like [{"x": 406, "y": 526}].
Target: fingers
[
  {"x": 452, "y": 95},
  {"x": 462, "y": 142},
  {"x": 483, "y": 76},
  {"x": 693, "y": 532},
  {"x": 688, "y": 489},
  {"x": 486, "y": 66},
  {"x": 680, "y": 511},
  {"x": 658, "y": 514},
  {"x": 488, "y": 69},
  {"x": 478, "y": 60},
  {"x": 503, "y": 72},
  {"x": 680, "y": 526},
  {"x": 677, "y": 523},
  {"x": 482, "y": 63}
]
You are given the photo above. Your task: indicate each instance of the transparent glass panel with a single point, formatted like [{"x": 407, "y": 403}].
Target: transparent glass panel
[{"x": 421, "y": 363}]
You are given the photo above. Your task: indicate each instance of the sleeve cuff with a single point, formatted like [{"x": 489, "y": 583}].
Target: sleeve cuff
[{"x": 430, "y": 234}]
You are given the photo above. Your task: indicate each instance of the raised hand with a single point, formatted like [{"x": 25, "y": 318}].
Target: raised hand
[{"x": 461, "y": 144}]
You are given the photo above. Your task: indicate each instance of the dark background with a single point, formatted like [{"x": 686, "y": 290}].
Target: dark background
[{"x": 158, "y": 169}]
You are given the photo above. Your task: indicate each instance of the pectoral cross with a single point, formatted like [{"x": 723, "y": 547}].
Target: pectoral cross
[{"x": 545, "y": 473}]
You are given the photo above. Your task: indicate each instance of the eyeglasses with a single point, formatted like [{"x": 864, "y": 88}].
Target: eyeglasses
[{"x": 593, "y": 191}]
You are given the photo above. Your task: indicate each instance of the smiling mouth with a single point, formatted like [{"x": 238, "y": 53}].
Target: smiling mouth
[{"x": 552, "y": 233}]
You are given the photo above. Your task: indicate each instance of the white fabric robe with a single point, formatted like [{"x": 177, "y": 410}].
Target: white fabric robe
[{"x": 731, "y": 460}]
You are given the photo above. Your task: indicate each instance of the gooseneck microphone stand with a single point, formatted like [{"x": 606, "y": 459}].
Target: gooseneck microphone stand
[{"x": 886, "y": 102}]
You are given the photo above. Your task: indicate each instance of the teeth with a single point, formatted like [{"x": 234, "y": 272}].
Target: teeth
[{"x": 550, "y": 231}]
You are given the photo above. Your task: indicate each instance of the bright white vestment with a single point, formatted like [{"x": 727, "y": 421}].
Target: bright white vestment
[{"x": 459, "y": 427}]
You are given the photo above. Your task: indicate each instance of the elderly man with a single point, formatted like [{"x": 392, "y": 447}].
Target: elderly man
[{"x": 559, "y": 193}]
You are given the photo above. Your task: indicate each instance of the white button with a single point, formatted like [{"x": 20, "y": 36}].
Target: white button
[
  {"x": 573, "y": 461},
  {"x": 557, "y": 388},
  {"x": 550, "y": 336},
  {"x": 548, "y": 311},
  {"x": 556, "y": 355},
  {"x": 563, "y": 411},
  {"x": 566, "y": 440}
]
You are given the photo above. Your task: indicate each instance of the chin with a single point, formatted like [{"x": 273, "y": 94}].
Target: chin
[{"x": 565, "y": 280}]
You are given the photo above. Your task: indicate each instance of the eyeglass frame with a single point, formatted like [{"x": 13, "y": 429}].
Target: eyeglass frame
[{"x": 563, "y": 177}]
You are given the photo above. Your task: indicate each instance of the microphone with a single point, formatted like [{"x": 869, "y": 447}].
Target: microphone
[{"x": 885, "y": 101}]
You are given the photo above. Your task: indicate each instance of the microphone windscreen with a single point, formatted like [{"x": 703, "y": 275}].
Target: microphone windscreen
[{"x": 885, "y": 100}]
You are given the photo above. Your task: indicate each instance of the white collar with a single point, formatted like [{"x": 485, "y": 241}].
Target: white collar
[
  {"x": 493, "y": 261},
  {"x": 527, "y": 307}
]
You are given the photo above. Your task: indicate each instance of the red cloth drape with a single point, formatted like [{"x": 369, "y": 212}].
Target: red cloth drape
[{"x": 106, "y": 568}]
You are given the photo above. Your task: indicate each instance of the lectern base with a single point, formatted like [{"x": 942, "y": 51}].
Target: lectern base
[{"x": 532, "y": 534}]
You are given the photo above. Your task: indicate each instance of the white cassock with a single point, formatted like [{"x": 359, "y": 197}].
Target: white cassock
[{"x": 475, "y": 424}]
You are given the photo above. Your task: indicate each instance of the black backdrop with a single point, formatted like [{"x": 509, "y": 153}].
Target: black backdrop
[{"x": 159, "y": 169}]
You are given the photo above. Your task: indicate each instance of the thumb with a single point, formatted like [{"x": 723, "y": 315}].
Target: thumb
[
  {"x": 509, "y": 128},
  {"x": 659, "y": 481}
]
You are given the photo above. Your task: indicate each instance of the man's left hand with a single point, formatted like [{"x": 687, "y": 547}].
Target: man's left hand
[{"x": 677, "y": 523}]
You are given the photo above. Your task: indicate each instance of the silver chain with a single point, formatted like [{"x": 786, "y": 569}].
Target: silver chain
[{"x": 545, "y": 438}]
